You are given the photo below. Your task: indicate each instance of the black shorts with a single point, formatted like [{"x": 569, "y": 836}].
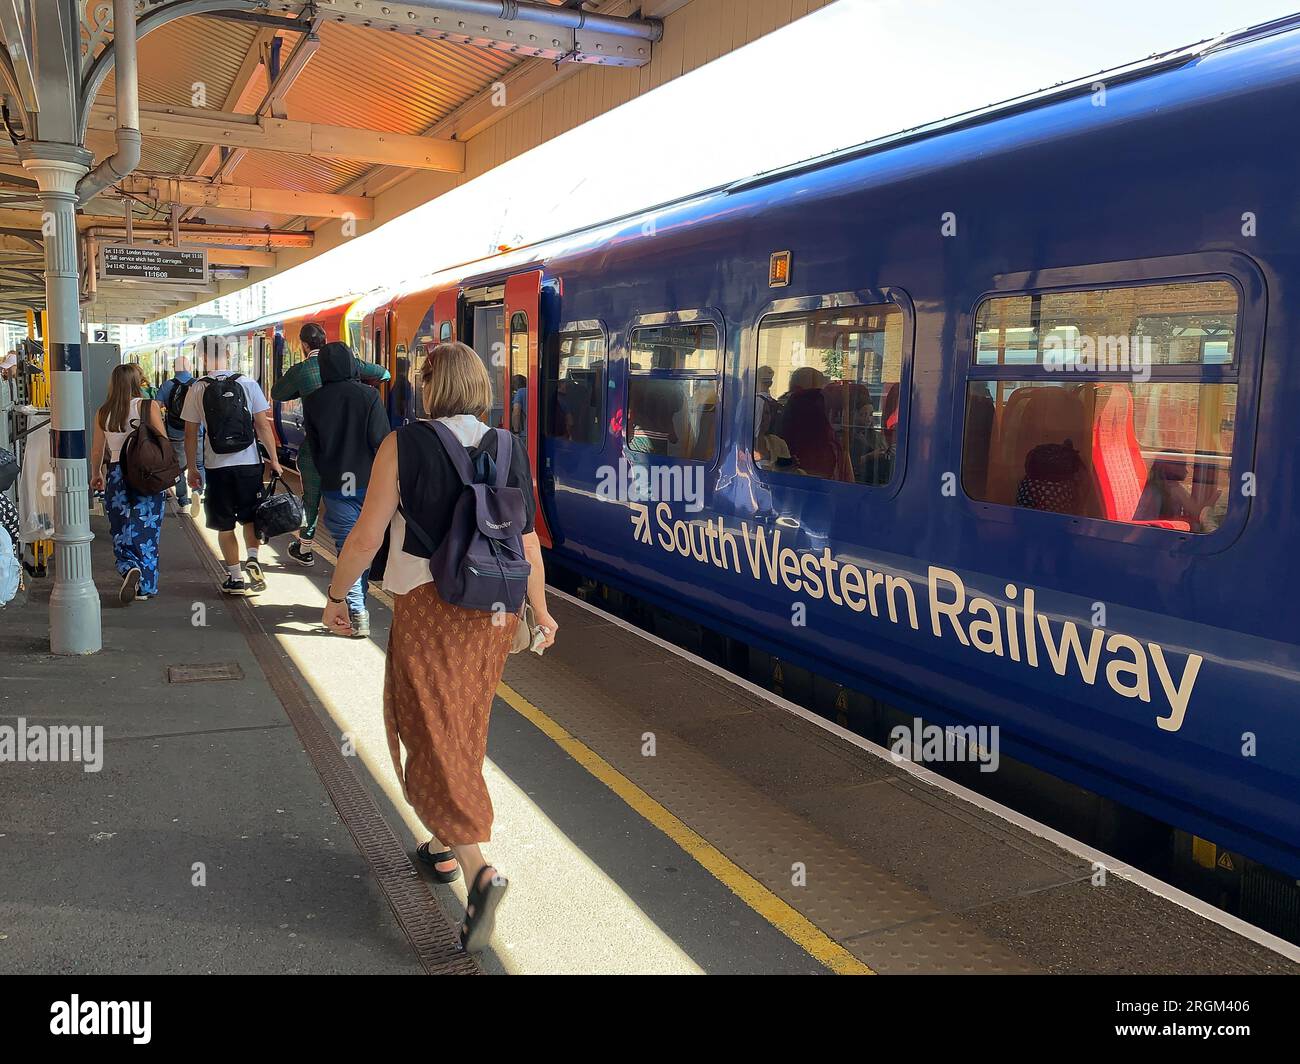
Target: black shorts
[{"x": 232, "y": 496}]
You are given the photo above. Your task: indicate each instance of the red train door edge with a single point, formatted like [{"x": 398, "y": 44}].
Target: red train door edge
[
  {"x": 444, "y": 309},
  {"x": 522, "y": 297}
]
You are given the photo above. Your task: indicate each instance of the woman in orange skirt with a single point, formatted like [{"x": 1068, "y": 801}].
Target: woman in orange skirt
[{"x": 444, "y": 661}]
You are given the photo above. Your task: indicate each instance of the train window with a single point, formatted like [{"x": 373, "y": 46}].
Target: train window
[
  {"x": 673, "y": 391},
  {"x": 1120, "y": 404},
  {"x": 574, "y": 386},
  {"x": 444, "y": 332},
  {"x": 519, "y": 374},
  {"x": 828, "y": 393}
]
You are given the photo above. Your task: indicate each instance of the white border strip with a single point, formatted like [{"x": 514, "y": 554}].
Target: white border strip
[{"x": 1142, "y": 879}]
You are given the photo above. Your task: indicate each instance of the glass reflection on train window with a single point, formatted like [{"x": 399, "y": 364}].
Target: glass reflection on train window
[
  {"x": 827, "y": 402},
  {"x": 673, "y": 391},
  {"x": 574, "y": 378},
  {"x": 1110, "y": 329},
  {"x": 1134, "y": 424},
  {"x": 403, "y": 402},
  {"x": 517, "y": 414}
]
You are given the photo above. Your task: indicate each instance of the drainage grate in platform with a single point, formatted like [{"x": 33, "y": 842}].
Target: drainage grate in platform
[{"x": 204, "y": 673}]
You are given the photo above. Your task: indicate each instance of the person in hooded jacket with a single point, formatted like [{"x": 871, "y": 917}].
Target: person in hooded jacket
[{"x": 346, "y": 423}]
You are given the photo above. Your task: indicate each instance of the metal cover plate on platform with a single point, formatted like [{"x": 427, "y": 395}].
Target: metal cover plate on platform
[{"x": 204, "y": 673}]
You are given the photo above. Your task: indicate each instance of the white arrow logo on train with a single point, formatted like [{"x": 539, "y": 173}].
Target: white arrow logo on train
[{"x": 641, "y": 522}]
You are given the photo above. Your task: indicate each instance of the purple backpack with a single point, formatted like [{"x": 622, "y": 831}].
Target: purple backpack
[{"x": 480, "y": 564}]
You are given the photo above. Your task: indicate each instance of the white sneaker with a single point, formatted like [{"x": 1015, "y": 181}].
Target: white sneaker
[{"x": 185, "y": 508}]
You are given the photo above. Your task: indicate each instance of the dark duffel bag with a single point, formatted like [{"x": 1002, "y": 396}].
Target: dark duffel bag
[
  {"x": 8, "y": 469},
  {"x": 278, "y": 513}
]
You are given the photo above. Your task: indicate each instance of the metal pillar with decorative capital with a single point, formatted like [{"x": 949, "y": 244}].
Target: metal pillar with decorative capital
[{"x": 74, "y": 601}]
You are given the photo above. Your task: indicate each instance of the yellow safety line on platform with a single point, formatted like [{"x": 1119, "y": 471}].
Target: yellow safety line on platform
[
  {"x": 786, "y": 919},
  {"x": 780, "y": 914}
]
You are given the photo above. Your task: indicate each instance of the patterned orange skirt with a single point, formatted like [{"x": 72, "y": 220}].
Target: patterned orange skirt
[{"x": 444, "y": 664}]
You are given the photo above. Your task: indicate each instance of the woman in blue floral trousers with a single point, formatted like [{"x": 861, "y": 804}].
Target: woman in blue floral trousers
[{"x": 135, "y": 519}]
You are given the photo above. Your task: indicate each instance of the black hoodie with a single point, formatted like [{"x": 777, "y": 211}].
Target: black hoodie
[{"x": 345, "y": 421}]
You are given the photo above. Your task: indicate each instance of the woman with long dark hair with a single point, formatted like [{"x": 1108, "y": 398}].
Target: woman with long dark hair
[
  {"x": 135, "y": 519},
  {"x": 444, "y": 660}
]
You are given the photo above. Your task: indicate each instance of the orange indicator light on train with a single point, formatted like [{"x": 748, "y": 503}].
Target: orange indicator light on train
[{"x": 779, "y": 271}]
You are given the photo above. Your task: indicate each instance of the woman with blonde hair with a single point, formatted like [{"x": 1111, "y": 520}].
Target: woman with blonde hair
[
  {"x": 135, "y": 519},
  {"x": 444, "y": 661}
]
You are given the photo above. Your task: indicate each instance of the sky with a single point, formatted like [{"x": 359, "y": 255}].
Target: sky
[{"x": 854, "y": 71}]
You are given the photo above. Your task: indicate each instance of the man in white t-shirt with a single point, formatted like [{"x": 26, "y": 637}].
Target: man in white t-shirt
[{"x": 233, "y": 425}]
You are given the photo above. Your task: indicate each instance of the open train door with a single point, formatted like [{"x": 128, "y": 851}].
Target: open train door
[{"x": 523, "y": 408}]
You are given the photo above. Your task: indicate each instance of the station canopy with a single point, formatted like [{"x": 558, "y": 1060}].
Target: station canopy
[{"x": 262, "y": 120}]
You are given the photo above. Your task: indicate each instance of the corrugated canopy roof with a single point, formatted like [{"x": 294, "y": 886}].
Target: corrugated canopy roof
[{"x": 259, "y": 117}]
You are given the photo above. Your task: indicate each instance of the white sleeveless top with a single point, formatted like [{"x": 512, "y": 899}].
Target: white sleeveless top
[
  {"x": 405, "y": 572},
  {"x": 116, "y": 439}
]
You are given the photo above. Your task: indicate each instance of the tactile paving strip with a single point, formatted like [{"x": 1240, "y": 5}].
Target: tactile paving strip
[
  {"x": 435, "y": 941},
  {"x": 903, "y": 874},
  {"x": 843, "y": 895}
]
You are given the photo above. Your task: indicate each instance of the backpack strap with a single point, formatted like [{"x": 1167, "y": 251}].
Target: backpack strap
[
  {"x": 455, "y": 451},
  {"x": 505, "y": 453},
  {"x": 416, "y": 530}
]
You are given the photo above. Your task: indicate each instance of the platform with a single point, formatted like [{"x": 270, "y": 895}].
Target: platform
[{"x": 653, "y": 814}]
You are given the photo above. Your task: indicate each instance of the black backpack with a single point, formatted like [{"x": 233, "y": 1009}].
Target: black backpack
[
  {"x": 176, "y": 404},
  {"x": 227, "y": 417}
]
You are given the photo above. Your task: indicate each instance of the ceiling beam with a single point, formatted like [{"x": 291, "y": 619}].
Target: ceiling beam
[
  {"x": 250, "y": 69},
  {"x": 529, "y": 80},
  {"x": 203, "y": 193},
  {"x": 154, "y": 293},
  {"x": 22, "y": 222},
  {"x": 106, "y": 306},
  {"x": 296, "y": 138},
  {"x": 271, "y": 101},
  {"x": 227, "y": 257},
  {"x": 192, "y": 233},
  {"x": 28, "y": 245}
]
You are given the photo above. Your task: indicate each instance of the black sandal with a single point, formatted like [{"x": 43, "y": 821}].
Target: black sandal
[
  {"x": 433, "y": 860},
  {"x": 476, "y": 931}
]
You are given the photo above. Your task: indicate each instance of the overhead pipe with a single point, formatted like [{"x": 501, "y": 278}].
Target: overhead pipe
[
  {"x": 126, "y": 70},
  {"x": 567, "y": 17}
]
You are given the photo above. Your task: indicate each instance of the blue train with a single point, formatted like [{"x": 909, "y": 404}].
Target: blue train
[{"x": 988, "y": 420}]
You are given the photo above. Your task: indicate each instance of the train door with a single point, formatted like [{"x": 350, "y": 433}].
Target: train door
[
  {"x": 377, "y": 330},
  {"x": 521, "y": 380},
  {"x": 288, "y": 415},
  {"x": 483, "y": 327},
  {"x": 488, "y": 338}
]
